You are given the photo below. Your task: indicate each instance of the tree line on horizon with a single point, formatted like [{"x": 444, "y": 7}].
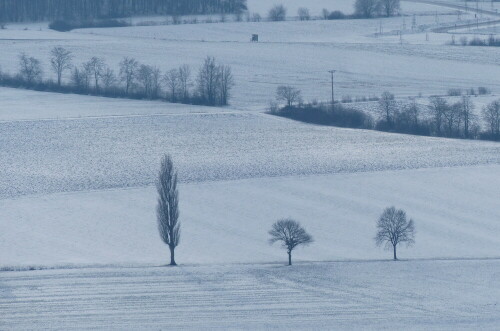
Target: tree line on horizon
[
  {"x": 47, "y": 10},
  {"x": 440, "y": 118},
  {"x": 211, "y": 87}
]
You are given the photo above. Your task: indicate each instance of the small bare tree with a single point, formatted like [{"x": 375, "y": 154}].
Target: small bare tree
[
  {"x": 438, "y": 107},
  {"x": 291, "y": 234},
  {"x": 387, "y": 108},
  {"x": 144, "y": 76},
  {"x": 108, "y": 78},
  {"x": 184, "y": 81},
  {"x": 303, "y": 14},
  {"x": 173, "y": 83},
  {"x": 366, "y": 8},
  {"x": 226, "y": 83},
  {"x": 96, "y": 66},
  {"x": 30, "y": 68},
  {"x": 467, "y": 114},
  {"x": 390, "y": 7},
  {"x": 277, "y": 13},
  {"x": 155, "y": 82},
  {"x": 128, "y": 72},
  {"x": 325, "y": 13},
  {"x": 60, "y": 61},
  {"x": 393, "y": 229},
  {"x": 208, "y": 81},
  {"x": 491, "y": 115},
  {"x": 288, "y": 94},
  {"x": 167, "y": 210}
]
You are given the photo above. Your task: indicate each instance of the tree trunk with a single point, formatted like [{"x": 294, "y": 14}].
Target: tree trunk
[
  {"x": 289, "y": 258},
  {"x": 395, "y": 257},
  {"x": 172, "y": 255}
]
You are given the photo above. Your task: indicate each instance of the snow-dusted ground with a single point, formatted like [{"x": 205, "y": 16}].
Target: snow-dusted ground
[
  {"x": 76, "y": 188},
  {"x": 366, "y": 64},
  {"x": 455, "y": 209},
  {"x": 414, "y": 295},
  {"x": 19, "y": 104},
  {"x": 96, "y": 153}
]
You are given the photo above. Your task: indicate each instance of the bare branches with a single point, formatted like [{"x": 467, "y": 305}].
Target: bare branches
[
  {"x": 291, "y": 234},
  {"x": 288, "y": 94},
  {"x": 277, "y": 13},
  {"x": 172, "y": 80},
  {"x": 60, "y": 61},
  {"x": 128, "y": 72},
  {"x": 393, "y": 229},
  {"x": 214, "y": 83},
  {"x": 30, "y": 68},
  {"x": 167, "y": 210},
  {"x": 491, "y": 115}
]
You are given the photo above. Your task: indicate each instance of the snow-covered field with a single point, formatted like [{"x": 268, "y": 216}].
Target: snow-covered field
[
  {"x": 97, "y": 153},
  {"x": 416, "y": 295},
  {"x": 77, "y": 196},
  {"x": 455, "y": 209},
  {"x": 366, "y": 64}
]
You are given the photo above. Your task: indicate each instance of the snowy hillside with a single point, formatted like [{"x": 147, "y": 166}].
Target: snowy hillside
[{"x": 79, "y": 240}]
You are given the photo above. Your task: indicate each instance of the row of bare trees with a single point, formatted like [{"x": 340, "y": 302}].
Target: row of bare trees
[
  {"x": 441, "y": 118},
  {"x": 212, "y": 86},
  {"x": 372, "y": 8},
  {"x": 74, "y": 10},
  {"x": 393, "y": 227}
]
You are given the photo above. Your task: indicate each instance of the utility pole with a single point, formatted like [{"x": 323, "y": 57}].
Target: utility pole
[{"x": 333, "y": 96}]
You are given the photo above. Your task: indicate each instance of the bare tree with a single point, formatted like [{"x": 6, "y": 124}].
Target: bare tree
[
  {"x": 491, "y": 115},
  {"x": 277, "y": 13},
  {"x": 30, "y": 68},
  {"x": 390, "y": 7},
  {"x": 86, "y": 75},
  {"x": 128, "y": 72},
  {"x": 173, "y": 83},
  {"x": 256, "y": 17},
  {"x": 184, "y": 81},
  {"x": 208, "y": 81},
  {"x": 452, "y": 119},
  {"x": 393, "y": 229},
  {"x": 303, "y": 14},
  {"x": 167, "y": 210},
  {"x": 288, "y": 94},
  {"x": 60, "y": 61},
  {"x": 325, "y": 13},
  {"x": 291, "y": 234},
  {"x": 226, "y": 82},
  {"x": 145, "y": 78},
  {"x": 108, "y": 78},
  {"x": 387, "y": 107},
  {"x": 467, "y": 114},
  {"x": 155, "y": 82},
  {"x": 366, "y": 8},
  {"x": 96, "y": 66},
  {"x": 438, "y": 107}
]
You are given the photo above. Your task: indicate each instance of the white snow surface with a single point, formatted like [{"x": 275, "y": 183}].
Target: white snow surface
[
  {"x": 455, "y": 209},
  {"x": 415, "y": 295},
  {"x": 366, "y": 65},
  {"x": 44, "y": 156}
]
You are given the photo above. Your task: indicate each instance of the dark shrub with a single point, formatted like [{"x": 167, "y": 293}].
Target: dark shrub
[
  {"x": 336, "y": 15},
  {"x": 61, "y": 26}
]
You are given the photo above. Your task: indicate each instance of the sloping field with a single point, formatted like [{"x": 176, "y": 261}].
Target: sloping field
[
  {"x": 455, "y": 209},
  {"x": 20, "y": 104},
  {"x": 425, "y": 295},
  {"x": 99, "y": 153},
  {"x": 365, "y": 65}
]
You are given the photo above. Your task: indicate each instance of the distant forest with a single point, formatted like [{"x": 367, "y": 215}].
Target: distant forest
[{"x": 47, "y": 10}]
